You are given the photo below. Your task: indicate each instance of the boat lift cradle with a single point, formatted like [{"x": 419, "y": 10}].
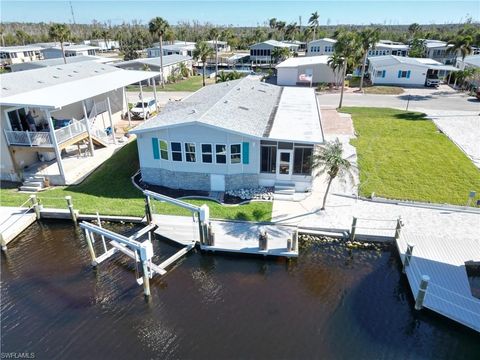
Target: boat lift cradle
[{"x": 142, "y": 252}]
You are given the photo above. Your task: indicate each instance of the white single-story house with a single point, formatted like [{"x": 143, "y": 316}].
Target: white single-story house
[
  {"x": 299, "y": 70},
  {"x": 405, "y": 71},
  {"x": 238, "y": 134},
  {"x": 184, "y": 48},
  {"x": 10, "y": 55},
  {"x": 103, "y": 45},
  {"x": 387, "y": 47},
  {"x": 57, "y": 61},
  {"x": 302, "y": 45},
  {"x": 171, "y": 63},
  {"x": 222, "y": 46},
  {"x": 261, "y": 53},
  {"x": 325, "y": 46},
  {"x": 70, "y": 104},
  {"x": 70, "y": 50}
]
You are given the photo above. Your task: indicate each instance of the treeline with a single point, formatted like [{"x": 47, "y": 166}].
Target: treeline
[{"x": 135, "y": 35}]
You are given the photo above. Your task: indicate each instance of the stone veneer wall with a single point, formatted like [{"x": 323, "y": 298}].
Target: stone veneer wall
[{"x": 195, "y": 181}]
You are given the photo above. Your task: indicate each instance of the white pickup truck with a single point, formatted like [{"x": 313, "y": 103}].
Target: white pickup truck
[{"x": 149, "y": 106}]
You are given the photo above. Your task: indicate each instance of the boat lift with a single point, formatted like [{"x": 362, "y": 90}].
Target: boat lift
[{"x": 142, "y": 252}]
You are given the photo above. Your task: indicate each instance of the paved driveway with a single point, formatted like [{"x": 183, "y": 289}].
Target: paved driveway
[{"x": 419, "y": 99}]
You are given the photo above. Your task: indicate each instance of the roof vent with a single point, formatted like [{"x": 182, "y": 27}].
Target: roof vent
[
  {"x": 225, "y": 102},
  {"x": 262, "y": 90},
  {"x": 40, "y": 81},
  {"x": 238, "y": 89},
  {"x": 56, "y": 77},
  {"x": 253, "y": 87},
  {"x": 4, "y": 88},
  {"x": 243, "y": 108},
  {"x": 194, "y": 111},
  {"x": 59, "y": 68}
]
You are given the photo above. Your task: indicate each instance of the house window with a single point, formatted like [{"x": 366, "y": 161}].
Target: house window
[
  {"x": 176, "y": 148},
  {"x": 235, "y": 153},
  {"x": 302, "y": 160},
  {"x": 402, "y": 74},
  {"x": 163, "y": 150},
  {"x": 221, "y": 154},
  {"x": 207, "y": 153},
  {"x": 268, "y": 161},
  {"x": 190, "y": 152}
]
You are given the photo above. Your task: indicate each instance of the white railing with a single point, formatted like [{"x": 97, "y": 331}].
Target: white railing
[
  {"x": 28, "y": 138},
  {"x": 68, "y": 132}
]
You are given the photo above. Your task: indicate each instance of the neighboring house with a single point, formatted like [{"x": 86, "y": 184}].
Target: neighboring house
[
  {"x": 70, "y": 50},
  {"x": 61, "y": 99},
  {"x": 294, "y": 70},
  {"x": 10, "y": 55},
  {"x": 183, "y": 48},
  {"x": 439, "y": 51},
  {"x": 325, "y": 46},
  {"x": 405, "y": 71},
  {"x": 58, "y": 61},
  {"x": 238, "y": 134},
  {"x": 302, "y": 46},
  {"x": 261, "y": 53},
  {"x": 222, "y": 46},
  {"x": 103, "y": 45},
  {"x": 387, "y": 47},
  {"x": 171, "y": 63},
  {"x": 472, "y": 61}
]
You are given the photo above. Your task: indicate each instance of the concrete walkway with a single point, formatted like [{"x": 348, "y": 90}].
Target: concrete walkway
[{"x": 463, "y": 128}]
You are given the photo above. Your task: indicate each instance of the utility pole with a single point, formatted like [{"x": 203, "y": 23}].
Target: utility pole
[{"x": 73, "y": 14}]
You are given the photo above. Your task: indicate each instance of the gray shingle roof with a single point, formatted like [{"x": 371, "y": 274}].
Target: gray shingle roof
[{"x": 243, "y": 106}]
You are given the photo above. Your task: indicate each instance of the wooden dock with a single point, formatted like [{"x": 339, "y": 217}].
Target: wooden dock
[
  {"x": 230, "y": 236},
  {"x": 13, "y": 221},
  {"x": 443, "y": 260}
]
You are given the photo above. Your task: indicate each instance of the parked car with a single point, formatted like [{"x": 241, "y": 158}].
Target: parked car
[
  {"x": 148, "y": 104},
  {"x": 432, "y": 81}
]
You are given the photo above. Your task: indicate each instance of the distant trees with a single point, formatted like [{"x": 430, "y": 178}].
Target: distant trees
[
  {"x": 60, "y": 33},
  {"x": 214, "y": 35},
  {"x": 416, "y": 49},
  {"x": 157, "y": 27},
  {"x": 367, "y": 39},
  {"x": 413, "y": 29},
  {"x": 202, "y": 52}
]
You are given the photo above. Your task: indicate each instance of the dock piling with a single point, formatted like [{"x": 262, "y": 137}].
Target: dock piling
[
  {"x": 289, "y": 245},
  {"x": 148, "y": 209},
  {"x": 90, "y": 248},
  {"x": 408, "y": 255},
  {"x": 295, "y": 240},
  {"x": 36, "y": 206},
  {"x": 70, "y": 208},
  {"x": 398, "y": 228},
  {"x": 353, "y": 229},
  {"x": 422, "y": 291}
]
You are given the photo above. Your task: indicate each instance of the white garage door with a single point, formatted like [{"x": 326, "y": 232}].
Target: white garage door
[
  {"x": 287, "y": 76},
  {"x": 217, "y": 182}
]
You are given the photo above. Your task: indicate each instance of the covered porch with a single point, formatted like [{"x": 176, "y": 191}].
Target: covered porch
[{"x": 54, "y": 129}]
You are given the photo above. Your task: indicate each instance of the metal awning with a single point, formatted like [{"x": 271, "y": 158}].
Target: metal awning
[
  {"x": 60, "y": 95},
  {"x": 443, "y": 67}
]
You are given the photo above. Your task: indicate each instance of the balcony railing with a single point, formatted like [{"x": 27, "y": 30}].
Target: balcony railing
[
  {"x": 77, "y": 127},
  {"x": 27, "y": 138}
]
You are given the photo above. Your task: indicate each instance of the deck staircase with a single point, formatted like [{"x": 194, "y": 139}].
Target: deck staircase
[{"x": 33, "y": 184}]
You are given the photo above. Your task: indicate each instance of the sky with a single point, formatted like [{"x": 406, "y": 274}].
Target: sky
[{"x": 242, "y": 13}]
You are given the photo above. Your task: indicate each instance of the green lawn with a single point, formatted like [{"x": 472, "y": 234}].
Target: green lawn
[
  {"x": 109, "y": 191},
  {"x": 193, "y": 83},
  {"x": 401, "y": 155},
  {"x": 383, "y": 90}
]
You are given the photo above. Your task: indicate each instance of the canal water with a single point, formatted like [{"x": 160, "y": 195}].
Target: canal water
[{"x": 330, "y": 303}]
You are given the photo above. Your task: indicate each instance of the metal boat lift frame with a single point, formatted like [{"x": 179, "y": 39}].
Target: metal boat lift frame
[{"x": 143, "y": 251}]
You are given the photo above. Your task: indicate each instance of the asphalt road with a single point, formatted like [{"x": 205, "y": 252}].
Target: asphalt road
[{"x": 442, "y": 98}]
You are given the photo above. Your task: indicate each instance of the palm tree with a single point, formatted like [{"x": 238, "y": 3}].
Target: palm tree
[
  {"x": 330, "y": 161},
  {"x": 105, "y": 33},
  {"x": 280, "y": 53},
  {"x": 291, "y": 31},
  {"x": 183, "y": 70},
  {"x": 462, "y": 44},
  {"x": 214, "y": 34},
  {"x": 413, "y": 29},
  {"x": 157, "y": 27},
  {"x": 272, "y": 23},
  {"x": 280, "y": 26},
  {"x": 60, "y": 33},
  {"x": 368, "y": 38},
  {"x": 336, "y": 62},
  {"x": 314, "y": 22},
  {"x": 307, "y": 32},
  {"x": 203, "y": 52},
  {"x": 223, "y": 76},
  {"x": 347, "y": 48}
]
